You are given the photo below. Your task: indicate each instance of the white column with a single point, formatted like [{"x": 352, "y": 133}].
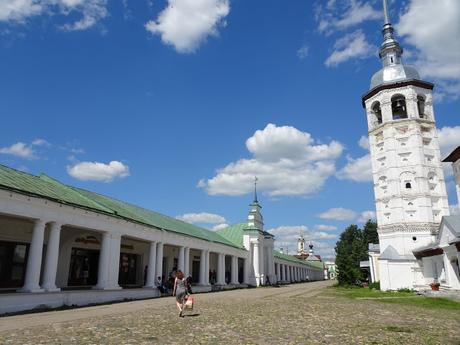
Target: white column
[
  {"x": 371, "y": 261},
  {"x": 202, "y": 280},
  {"x": 34, "y": 260},
  {"x": 187, "y": 262},
  {"x": 262, "y": 268},
  {"x": 109, "y": 262},
  {"x": 220, "y": 269},
  {"x": 256, "y": 262},
  {"x": 246, "y": 269},
  {"x": 278, "y": 272},
  {"x": 289, "y": 273},
  {"x": 151, "y": 276},
  {"x": 180, "y": 261},
  {"x": 104, "y": 257},
  {"x": 51, "y": 259},
  {"x": 234, "y": 270},
  {"x": 271, "y": 263},
  {"x": 159, "y": 261},
  {"x": 206, "y": 270}
]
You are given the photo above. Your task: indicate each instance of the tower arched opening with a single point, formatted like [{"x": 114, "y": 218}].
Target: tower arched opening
[
  {"x": 421, "y": 106},
  {"x": 398, "y": 107},
  {"x": 377, "y": 112}
]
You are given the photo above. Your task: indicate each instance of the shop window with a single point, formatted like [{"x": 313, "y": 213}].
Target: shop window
[
  {"x": 13, "y": 260},
  {"x": 84, "y": 265}
]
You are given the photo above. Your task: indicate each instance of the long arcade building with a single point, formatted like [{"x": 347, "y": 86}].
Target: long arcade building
[{"x": 61, "y": 245}]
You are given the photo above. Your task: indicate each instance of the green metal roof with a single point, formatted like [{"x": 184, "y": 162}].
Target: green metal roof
[
  {"x": 293, "y": 259},
  {"x": 46, "y": 187},
  {"x": 234, "y": 233}
]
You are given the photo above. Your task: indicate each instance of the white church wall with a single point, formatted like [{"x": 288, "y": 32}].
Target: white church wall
[{"x": 395, "y": 275}]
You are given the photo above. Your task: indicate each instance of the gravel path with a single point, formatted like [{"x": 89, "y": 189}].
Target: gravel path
[{"x": 295, "y": 314}]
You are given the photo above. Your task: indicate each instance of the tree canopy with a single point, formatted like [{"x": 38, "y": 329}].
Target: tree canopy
[{"x": 351, "y": 248}]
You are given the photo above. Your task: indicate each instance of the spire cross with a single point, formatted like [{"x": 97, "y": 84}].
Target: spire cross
[{"x": 385, "y": 13}]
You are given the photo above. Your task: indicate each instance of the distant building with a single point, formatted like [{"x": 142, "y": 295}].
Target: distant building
[
  {"x": 330, "y": 270},
  {"x": 309, "y": 257}
]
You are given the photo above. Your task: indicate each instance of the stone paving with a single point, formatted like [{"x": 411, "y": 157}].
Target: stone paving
[{"x": 296, "y": 314}]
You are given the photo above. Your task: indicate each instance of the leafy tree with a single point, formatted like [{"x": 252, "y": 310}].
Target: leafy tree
[
  {"x": 370, "y": 234},
  {"x": 352, "y": 248},
  {"x": 346, "y": 260}
]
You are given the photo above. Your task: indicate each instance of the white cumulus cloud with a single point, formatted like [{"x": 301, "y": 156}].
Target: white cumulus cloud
[
  {"x": 351, "y": 46},
  {"x": 19, "y": 149},
  {"x": 358, "y": 170},
  {"x": 325, "y": 227},
  {"x": 303, "y": 52},
  {"x": 219, "y": 226},
  {"x": 18, "y": 10},
  {"x": 338, "y": 213},
  {"x": 364, "y": 142},
  {"x": 432, "y": 27},
  {"x": 286, "y": 161},
  {"x": 203, "y": 217},
  {"x": 344, "y": 14},
  {"x": 90, "y": 11},
  {"x": 40, "y": 142},
  {"x": 96, "y": 171},
  {"x": 449, "y": 139},
  {"x": 185, "y": 24},
  {"x": 345, "y": 214},
  {"x": 365, "y": 216}
]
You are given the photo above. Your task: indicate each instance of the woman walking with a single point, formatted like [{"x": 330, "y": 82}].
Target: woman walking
[{"x": 180, "y": 291}]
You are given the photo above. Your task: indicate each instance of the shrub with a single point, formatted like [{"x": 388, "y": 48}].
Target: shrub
[
  {"x": 406, "y": 290},
  {"x": 374, "y": 286}
]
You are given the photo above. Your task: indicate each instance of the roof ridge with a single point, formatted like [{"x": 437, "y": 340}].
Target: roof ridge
[
  {"x": 17, "y": 170},
  {"x": 48, "y": 178},
  {"x": 198, "y": 228}
]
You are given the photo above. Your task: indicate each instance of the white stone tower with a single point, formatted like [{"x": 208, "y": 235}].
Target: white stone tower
[
  {"x": 260, "y": 245},
  {"x": 409, "y": 187},
  {"x": 301, "y": 244}
]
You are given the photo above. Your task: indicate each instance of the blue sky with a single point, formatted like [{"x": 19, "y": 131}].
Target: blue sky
[{"x": 175, "y": 106}]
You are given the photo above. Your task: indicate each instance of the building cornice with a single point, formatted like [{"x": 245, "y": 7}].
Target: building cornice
[
  {"x": 431, "y": 228},
  {"x": 412, "y": 82}
]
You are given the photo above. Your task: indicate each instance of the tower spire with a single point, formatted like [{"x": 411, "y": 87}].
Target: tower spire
[
  {"x": 385, "y": 13},
  {"x": 390, "y": 50},
  {"x": 255, "y": 190}
]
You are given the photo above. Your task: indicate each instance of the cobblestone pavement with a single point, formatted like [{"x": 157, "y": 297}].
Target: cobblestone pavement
[{"x": 296, "y": 314}]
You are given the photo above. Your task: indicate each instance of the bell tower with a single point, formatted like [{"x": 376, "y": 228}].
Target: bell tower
[
  {"x": 300, "y": 244},
  {"x": 409, "y": 187}
]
